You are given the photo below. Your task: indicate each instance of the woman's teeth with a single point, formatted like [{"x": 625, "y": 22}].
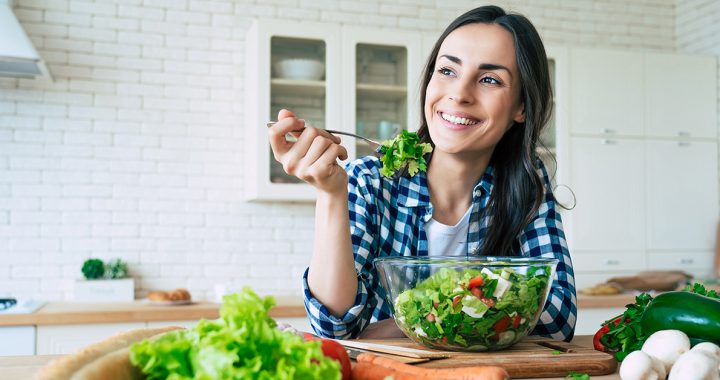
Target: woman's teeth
[{"x": 457, "y": 120}]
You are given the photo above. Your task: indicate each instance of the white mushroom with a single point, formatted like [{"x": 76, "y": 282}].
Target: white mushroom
[
  {"x": 709, "y": 347},
  {"x": 695, "y": 365},
  {"x": 641, "y": 366},
  {"x": 667, "y": 346}
]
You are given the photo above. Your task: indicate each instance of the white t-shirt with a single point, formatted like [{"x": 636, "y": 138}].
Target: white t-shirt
[{"x": 444, "y": 240}]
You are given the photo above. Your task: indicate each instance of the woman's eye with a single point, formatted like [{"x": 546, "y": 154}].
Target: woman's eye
[
  {"x": 445, "y": 71},
  {"x": 489, "y": 80}
]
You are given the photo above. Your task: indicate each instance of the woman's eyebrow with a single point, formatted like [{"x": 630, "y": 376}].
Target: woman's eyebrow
[{"x": 483, "y": 66}]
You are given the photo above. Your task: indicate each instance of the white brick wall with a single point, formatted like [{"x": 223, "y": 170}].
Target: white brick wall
[{"x": 135, "y": 150}]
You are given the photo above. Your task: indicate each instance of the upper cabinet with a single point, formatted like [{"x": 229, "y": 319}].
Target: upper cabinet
[
  {"x": 607, "y": 92},
  {"x": 361, "y": 80},
  {"x": 381, "y": 79},
  {"x": 680, "y": 95},
  {"x": 288, "y": 65}
]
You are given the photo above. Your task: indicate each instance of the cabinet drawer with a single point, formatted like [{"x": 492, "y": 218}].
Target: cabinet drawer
[
  {"x": 692, "y": 262},
  {"x": 604, "y": 262},
  {"x": 17, "y": 340}
]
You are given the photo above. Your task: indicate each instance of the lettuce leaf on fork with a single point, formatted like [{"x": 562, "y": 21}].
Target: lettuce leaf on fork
[{"x": 404, "y": 150}]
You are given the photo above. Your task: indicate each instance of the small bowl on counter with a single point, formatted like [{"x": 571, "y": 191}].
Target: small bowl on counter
[
  {"x": 299, "y": 69},
  {"x": 466, "y": 303}
]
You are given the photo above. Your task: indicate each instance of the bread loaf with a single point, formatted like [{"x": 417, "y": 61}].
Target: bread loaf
[{"x": 66, "y": 367}]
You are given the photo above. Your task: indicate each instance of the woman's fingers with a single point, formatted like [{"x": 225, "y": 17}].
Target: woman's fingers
[
  {"x": 285, "y": 113},
  {"x": 277, "y": 133}
]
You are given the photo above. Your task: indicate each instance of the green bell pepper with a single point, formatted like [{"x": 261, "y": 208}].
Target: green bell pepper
[{"x": 696, "y": 315}]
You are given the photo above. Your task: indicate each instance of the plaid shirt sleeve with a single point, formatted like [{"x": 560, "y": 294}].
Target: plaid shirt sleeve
[
  {"x": 369, "y": 303},
  {"x": 544, "y": 237}
]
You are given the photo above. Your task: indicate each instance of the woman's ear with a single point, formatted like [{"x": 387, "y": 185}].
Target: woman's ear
[{"x": 520, "y": 114}]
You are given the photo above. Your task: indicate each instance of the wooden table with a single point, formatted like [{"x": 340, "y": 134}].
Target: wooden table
[{"x": 23, "y": 367}]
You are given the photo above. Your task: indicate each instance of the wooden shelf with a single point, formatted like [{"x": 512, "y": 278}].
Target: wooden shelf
[
  {"x": 381, "y": 91},
  {"x": 297, "y": 87}
]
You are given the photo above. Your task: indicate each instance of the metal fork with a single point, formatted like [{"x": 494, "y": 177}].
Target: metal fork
[{"x": 373, "y": 143}]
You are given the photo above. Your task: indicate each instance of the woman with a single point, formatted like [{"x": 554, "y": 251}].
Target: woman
[{"x": 485, "y": 98}]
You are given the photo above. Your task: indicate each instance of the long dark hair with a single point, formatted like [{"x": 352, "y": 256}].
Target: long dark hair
[{"x": 518, "y": 190}]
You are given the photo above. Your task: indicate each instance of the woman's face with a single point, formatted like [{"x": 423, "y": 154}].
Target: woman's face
[{"x": 473, "y": 96}]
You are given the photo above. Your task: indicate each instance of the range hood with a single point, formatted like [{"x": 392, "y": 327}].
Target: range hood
[{"x": 18, "y": 57}]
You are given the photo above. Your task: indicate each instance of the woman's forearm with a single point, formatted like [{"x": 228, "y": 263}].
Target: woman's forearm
[{"x": 332, "y": 278}]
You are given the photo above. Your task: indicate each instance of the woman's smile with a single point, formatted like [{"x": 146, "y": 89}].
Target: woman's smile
[{"x": 458, "y": 121}]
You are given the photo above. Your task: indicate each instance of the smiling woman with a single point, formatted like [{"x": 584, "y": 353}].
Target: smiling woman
[{"x": 485, "y": 97}]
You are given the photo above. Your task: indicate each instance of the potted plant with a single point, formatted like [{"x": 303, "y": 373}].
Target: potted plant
[{"x": 105, "y": 282}]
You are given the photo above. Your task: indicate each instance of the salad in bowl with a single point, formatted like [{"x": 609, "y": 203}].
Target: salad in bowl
[{"x": 466, "y": 303}]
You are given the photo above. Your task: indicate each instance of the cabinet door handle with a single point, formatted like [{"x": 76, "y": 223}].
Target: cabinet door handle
[
  {"x": 683, "y": 143},
  {"x": 608, "y": 142},
  {"x": 612, "y": 262},
  {"x": 686, "y": 260},
  {"x": 683, "y": 134},
  {"x": 608, "y": 130}
]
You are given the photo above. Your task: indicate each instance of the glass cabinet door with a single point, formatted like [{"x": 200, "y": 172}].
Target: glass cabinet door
[
  {"x": 380, "y": 82},
  {"x": 297, "y": 83},
  {"x": 381, "y": 93},
  {"x": 293, "y": 65}
]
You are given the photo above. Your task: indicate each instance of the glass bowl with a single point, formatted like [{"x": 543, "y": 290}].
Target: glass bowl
[{"x": 466, "y": 303}]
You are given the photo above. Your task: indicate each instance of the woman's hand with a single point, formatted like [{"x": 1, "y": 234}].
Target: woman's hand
[{"x": 313, "y": 157}]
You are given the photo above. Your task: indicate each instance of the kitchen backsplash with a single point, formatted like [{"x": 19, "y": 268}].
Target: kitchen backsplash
[{"x": 135, "y": 150}]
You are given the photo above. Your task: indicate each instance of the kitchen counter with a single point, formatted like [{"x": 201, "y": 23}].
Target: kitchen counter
[
  {"x": 22, "y": 367},
  {"x": 65, "y": 313},
  {"x": 70, "y": 313}
]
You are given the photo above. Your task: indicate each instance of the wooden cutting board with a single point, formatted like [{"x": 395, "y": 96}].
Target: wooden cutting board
[{"x": 531, "y": 357}]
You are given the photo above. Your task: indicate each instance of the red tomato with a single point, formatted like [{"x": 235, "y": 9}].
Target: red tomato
[
  {"x": 502, "y": 324},
  {"x": 334, "y": 350},
  {"x": 516, "y": 321},
  {"x": 475, "y": 281},
  {"x": 456, "y": 300},
  {"x": 477, "y": 292}
]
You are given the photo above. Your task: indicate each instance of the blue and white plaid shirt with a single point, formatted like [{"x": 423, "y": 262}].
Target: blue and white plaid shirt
[{"x": 388, "y": 219}]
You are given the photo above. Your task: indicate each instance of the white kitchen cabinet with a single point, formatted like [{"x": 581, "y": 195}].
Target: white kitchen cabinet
[
  {"x": 17, "y": 340},
  {"x": 695, "y": 263},
  {"x": 64, "y": 339},
  {"x": 266, "y": 90},
  {"x": 371, "y": 75},
  {"x": 381, "y": 74},
  {"x": 680, "y": 95},
  {"x": 682, "y": 196},
  {"x": 607, "y": 176},
  {"x": 606, "y": 92},
  {"x": 642, "y": 162}
]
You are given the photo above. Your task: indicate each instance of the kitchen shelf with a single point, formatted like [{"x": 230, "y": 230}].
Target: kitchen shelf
[
  {"x": 381, "y": 91},
  {"x": 296, "y": 87}
]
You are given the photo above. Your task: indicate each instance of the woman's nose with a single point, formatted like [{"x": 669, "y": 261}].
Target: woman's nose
[{"x": 461, "y": 92}]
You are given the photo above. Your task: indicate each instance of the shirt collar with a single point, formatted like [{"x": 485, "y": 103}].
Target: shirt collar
[{"x": 413, "y": 191}]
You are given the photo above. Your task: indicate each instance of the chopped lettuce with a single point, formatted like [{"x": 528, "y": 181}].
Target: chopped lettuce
[
  {"x": 242, "y": 344},
  {"x": 472, "y": 309},
  {"x": 404, "y": 150}
]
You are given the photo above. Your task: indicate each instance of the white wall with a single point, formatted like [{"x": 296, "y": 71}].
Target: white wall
[{"x": 135, "y": 150}]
